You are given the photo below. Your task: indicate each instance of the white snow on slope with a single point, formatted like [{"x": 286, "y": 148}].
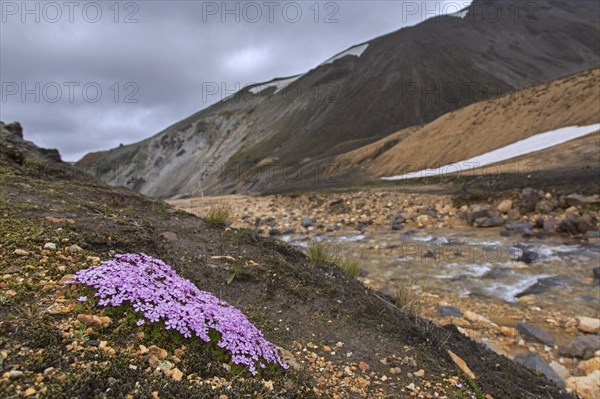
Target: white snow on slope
[
  {"x": 355, "y": 51},
  {"x": 460, "y": 14},
  {"x": 279, "y": 84},
  {"x": 522, "y": 147}
]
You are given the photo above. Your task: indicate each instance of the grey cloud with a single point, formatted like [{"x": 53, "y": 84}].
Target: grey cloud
[{"x": 168, "y": 55}]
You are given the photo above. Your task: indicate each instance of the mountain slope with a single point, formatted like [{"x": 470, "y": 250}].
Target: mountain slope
[
  {"x": 283, "y": 132},
  {"x": 483, "y": 127}
]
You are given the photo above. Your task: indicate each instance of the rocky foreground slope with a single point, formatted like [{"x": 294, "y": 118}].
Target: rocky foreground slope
[
  {"x": 281, "y": 133},
  {"x": 341, "y": 339}
]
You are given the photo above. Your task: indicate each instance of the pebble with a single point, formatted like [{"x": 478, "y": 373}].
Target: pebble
[
  {"x": 509, "y": 332},
  {"x": 94, "y": 321},
  {"x": 50, "y": 245},
  {"x": 21, "y": 252},
  {"x": 160, "y": 353},
  {"x": 74, "y": 248},
  {"x": 14, "y": 374},
  {"x": 364, "y": 367}
]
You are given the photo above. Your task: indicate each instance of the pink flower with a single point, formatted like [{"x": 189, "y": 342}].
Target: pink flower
[{"x": 154, "y": 289}]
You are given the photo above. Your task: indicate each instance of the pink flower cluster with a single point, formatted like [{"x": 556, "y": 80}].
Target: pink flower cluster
[{"x": 153, "y": 288}]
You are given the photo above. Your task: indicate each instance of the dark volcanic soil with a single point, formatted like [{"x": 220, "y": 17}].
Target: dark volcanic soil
[{"x": 297, "y": 303}]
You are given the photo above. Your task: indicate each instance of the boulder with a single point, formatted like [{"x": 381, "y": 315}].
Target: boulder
[
  {"x": 529, "y": 199},
  {"x": 521, "y": 228},
  {"x": 542, "y": 285},
  {"x": 493, "y": 221},
  {"x": 478, "y": 211},
  {"x": 582, "y": 347},
  {"x": 504, "y": 206},
  {"x": 534, "y": 333},
  {"x": 561, "y": 370},
  {"x": 397, "y": 221},
  {"x": 586, "y": 387},
  {"x": 535, "y": 362},
  {"x": 451, "y": 311},
  {"x": 587, "y": 367},
  {"x": 549, "y": 226},
  {"x": 274, "y": 232},
  {"x": 592, "y": 234},
  {"x": 527, "y": 256},
  {"x": 588, "y": 324},
  {"x": 545, "y": 206},
  {"x": 308, "y": 222},
  {"x": 575, "y": 224},
  {"x": 338, "y": 207}
]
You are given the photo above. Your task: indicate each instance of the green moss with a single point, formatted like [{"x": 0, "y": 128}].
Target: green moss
[
  {"x": 42, "y": 334},
  {"x": 51, "y": 356}
]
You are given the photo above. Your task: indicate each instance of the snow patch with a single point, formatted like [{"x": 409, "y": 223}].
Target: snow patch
[
  {"x": 355, "y": 51},
  {"x": 534, "y": 143},
  {"x": 279, "y": 84},
  {"x": 460, "y": 14}
]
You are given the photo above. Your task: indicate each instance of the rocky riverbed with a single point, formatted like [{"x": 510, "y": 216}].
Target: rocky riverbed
[{"x": 518, "y": 271}]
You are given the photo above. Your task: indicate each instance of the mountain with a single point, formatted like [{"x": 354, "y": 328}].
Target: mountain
[
  {"x": 286, "y": 132},
  {"x": 488, "y": 125}
]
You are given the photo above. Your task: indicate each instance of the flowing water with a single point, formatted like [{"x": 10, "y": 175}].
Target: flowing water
[{"x": 479, "y": 263}]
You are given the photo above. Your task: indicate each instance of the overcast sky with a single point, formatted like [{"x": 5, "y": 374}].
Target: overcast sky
[{"x": 87, "y": 76}]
